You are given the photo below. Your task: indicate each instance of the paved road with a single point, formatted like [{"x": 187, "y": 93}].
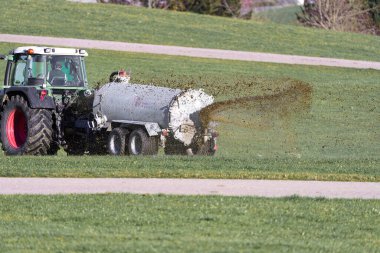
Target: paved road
[
  {"x": 260, "y": 188},
  {"x": 188, "y": 51}
]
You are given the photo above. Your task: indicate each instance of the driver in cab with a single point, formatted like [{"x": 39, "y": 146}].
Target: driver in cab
[{"x": 56, "y": 75}]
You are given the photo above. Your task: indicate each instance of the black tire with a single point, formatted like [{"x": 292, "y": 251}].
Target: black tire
[
  {"x": 54, "y": 147},
  {"x": 113, "y": 76},
  {"x": 139, "y": 143},
  {"x": 25, "y": 131},
  {"x": 116, "y": 141}
]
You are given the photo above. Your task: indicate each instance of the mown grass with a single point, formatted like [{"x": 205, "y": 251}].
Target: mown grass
[
  {"x": 130, "y": 223},
  {"x": 221, "y": 166},
  {"x": 336, "y": 139},
  {"x": 123, "y": 23}
]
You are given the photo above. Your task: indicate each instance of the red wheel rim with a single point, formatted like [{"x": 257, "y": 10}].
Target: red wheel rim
[{"x": 16, "y": 128}]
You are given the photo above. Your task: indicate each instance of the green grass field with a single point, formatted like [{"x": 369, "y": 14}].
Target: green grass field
[
  {"x": 221, "y": 166},
  {"x": 123, "y": 23},
  {"x": 336, "y": 139},
  {"x": 154, "y": 223}
]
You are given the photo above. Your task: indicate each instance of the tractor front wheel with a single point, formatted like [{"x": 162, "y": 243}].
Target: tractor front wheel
[{"x": 25, "y": 131}]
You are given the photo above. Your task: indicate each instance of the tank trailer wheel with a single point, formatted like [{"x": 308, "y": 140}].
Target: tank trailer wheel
[
  {"x": 25, "y": 131},
  {"x": 139, "y": 143},
  {"x": 116, "y": 141}
]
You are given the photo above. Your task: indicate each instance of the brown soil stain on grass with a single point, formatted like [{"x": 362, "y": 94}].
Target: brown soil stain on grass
[
  {"x": 292, "y": 99},
  {"x": 276, "y": 110}
]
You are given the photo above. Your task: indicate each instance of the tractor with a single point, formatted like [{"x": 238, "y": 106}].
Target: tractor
[{"x": 46, "y": 104}]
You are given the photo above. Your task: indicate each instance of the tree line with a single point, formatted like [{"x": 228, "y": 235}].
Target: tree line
[{"x": 341, "y": 15}]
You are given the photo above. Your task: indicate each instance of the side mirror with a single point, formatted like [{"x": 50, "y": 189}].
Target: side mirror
[{"x": 2, "y": 57}]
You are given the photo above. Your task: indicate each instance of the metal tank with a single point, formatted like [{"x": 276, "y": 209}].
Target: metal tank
[{"x": 174, "y": 109}]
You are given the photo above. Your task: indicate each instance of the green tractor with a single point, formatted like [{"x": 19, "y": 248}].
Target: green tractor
[
  {"x": 46, "y": 104},
  {"x": 41, "y": 88}
]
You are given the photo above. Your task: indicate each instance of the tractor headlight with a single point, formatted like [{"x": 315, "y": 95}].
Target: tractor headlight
[{"x": 87, "y": 93}]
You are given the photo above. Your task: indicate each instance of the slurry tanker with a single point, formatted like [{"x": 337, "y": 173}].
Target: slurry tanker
[{"x": 46, "y": 105}]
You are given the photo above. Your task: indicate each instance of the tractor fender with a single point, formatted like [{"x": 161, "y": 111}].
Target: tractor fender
[{"x": 32, "y": 95}]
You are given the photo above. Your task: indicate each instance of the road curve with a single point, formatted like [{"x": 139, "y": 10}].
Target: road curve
[
  {"x": 188, "y": 51},
  {"x": 258, "y": 188}
]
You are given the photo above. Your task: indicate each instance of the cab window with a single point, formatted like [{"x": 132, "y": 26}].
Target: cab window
[
  {"x": 65, "y": 70},
  {"x": 19, "y": 73}
]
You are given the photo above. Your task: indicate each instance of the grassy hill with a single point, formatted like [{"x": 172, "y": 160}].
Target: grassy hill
[{"x": 123, "y": 23}]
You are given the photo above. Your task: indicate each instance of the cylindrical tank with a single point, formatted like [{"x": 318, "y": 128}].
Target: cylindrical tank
[
  {"x": 169, "y": 108},
  {"x": 125, "y": 101}
]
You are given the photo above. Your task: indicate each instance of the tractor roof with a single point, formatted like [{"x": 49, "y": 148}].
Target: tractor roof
[{"x": 49, "y": 51}]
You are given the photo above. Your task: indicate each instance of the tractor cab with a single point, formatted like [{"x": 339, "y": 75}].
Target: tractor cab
[{"x": 46, "y": 67}]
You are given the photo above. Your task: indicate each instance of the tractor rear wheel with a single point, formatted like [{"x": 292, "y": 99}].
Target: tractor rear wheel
[
  {"x": 25, "y": 131},
  {"x": 139, "y": 143},
  {"x": 116, "y": 141}
]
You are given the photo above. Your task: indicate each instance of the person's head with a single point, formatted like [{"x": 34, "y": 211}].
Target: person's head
[{"x": 58, "y": 66}]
